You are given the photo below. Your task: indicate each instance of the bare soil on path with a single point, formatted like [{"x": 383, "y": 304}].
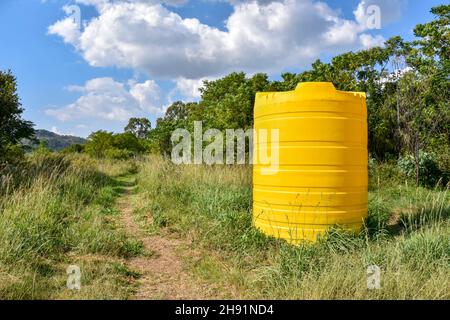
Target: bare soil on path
[{"x": 163, "y": 274}]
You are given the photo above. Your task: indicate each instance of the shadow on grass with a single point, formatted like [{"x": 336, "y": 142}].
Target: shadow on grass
[
  {"x": 410, "y": 221},
  {"x": 123, "y": 184},
  {"x": 113, "y": 188},
  {"x": 405, "y": 221}
]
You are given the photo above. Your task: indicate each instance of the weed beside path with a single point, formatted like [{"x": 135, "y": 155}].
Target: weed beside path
[
  {"x": 58, "y": 211},
  {"x": 407, "y": 237}
]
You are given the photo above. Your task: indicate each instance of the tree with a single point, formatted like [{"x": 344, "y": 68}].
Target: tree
[
  {"x": 12, "y": 127},
  {"x": 103, "y": 144},
  {"x": 140, "y": 127},
  {"x": 159, "y": 137},
  {"x": 128, "y": 141},
  {"x": 228, "y": 102},
  {"x": 406, "y": 82},
  {"x": 98, "y": 142},
  {"x": 415, "y": 127},
  {"x": 177, "y": 111},
  {"x": 434, "y": 36},
  {"x": 423, "y": 92}
]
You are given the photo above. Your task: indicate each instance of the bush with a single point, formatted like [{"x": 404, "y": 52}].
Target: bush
[
  {"x": 12, "y": 154},
  {"x": 121, "y": 146},
  {"x": 118, "y": 154},
  {"x": 382, "y": 175},
  {"x": 429, "y": 172},
  {"x": 74, "y": 148}
]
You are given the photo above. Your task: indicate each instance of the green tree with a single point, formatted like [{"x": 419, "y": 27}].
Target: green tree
[
  {"x": 178, "y": 115},
  {"x": 42, "y": 147},
  {"x": 140, "y": 127},
  {"x": 98, "y": 142},
  {"x": 103, "y": 144},
  {"x": 128, "y": 141},
  {"x": 407, "y": 86},
  {"x": 12, "y": 127},
  {"x": 177, "y": 111},
  {"x": 228, "y": 102},
  {"x": 159, "y": 138}
]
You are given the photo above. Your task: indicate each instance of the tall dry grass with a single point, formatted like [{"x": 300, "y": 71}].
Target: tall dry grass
[
  {"x": 54, "y": 210},
  {"x": 407, "y": 235}
]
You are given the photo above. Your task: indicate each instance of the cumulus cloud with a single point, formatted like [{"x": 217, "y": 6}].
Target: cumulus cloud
[
  {"x": 105, "y": 98},
  {"x": 190, "y": 88},
  {"x": 268, "y": 36},
  {"x": 54, "y": 129},
  {"x": 68, "y": 29}
]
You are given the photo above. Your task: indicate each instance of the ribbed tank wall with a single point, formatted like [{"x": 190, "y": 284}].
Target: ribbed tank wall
[{"x": 322, "y": 174}]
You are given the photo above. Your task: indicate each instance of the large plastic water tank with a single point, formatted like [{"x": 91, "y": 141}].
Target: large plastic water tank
[{"x": 322, "y": 176}]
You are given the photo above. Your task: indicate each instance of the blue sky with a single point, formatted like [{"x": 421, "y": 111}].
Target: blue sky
[{"x": 134, "y": 57}]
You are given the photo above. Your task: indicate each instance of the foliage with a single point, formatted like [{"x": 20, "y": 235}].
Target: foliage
[
  {"x": 103, "y": 144},
  {"x": 13, "y": 128},
  {"x": 140, "y": 127},
  {"x": 176, "y": 116},
  {"x": 406, "y": 83},
  {"x": 74, "y": 148},
  {"x": 428, "y": 167}
]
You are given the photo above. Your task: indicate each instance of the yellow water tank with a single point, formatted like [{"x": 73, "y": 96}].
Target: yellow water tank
[{"x": 322, "y": 175}]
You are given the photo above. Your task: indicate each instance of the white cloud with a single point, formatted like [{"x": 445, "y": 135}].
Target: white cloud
[
  {"x": 105, "y": 98},
  {"x": 268, "y": 36},
  {"x": 101, "y": 3},
  {"x": 54, "y": 129},
  {"x": 190, "y": 88},
  {"x": 369, "y": 41},
  {"x": 68, "y": 29}
]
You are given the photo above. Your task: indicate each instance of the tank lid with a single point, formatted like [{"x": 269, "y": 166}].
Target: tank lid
[{"x": 319, "y": 86}]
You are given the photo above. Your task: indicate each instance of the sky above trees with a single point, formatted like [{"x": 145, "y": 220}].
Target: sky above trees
[{"x": 83, "y": 65}]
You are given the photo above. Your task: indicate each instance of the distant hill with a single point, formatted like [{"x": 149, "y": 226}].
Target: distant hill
[{"x": 55, "y": 141}]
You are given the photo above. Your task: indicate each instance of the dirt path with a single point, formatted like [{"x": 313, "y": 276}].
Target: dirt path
[{"x": 163, "y": 274}]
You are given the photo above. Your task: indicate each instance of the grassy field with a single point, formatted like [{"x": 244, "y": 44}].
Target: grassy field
[
  {"x": 407, "y": 236},
  {"x": 57, "y": 211}
]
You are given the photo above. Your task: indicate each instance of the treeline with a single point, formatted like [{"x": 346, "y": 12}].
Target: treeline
[
  {"x": 407, "y": 86},
  {"x": 408, "y": 94}
]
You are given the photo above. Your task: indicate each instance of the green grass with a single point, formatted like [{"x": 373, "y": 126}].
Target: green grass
[
  {"x": 407, "y": 235},
  {"x": 56, "y": 211}
]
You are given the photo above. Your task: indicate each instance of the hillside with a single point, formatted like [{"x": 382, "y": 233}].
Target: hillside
[{"x": 57, "y": 142}]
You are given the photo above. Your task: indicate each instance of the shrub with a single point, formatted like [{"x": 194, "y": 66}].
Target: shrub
[
  {"x": 382, "y": 175},
  {"x": 429, "y": 172},
  {"x": 118, "y": 154},
  {"x": 74, "y": 148}
]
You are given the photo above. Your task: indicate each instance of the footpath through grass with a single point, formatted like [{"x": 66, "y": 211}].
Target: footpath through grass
[
  {"x": 407, "y": 236},
  {"x": 58, "y": 211}
]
